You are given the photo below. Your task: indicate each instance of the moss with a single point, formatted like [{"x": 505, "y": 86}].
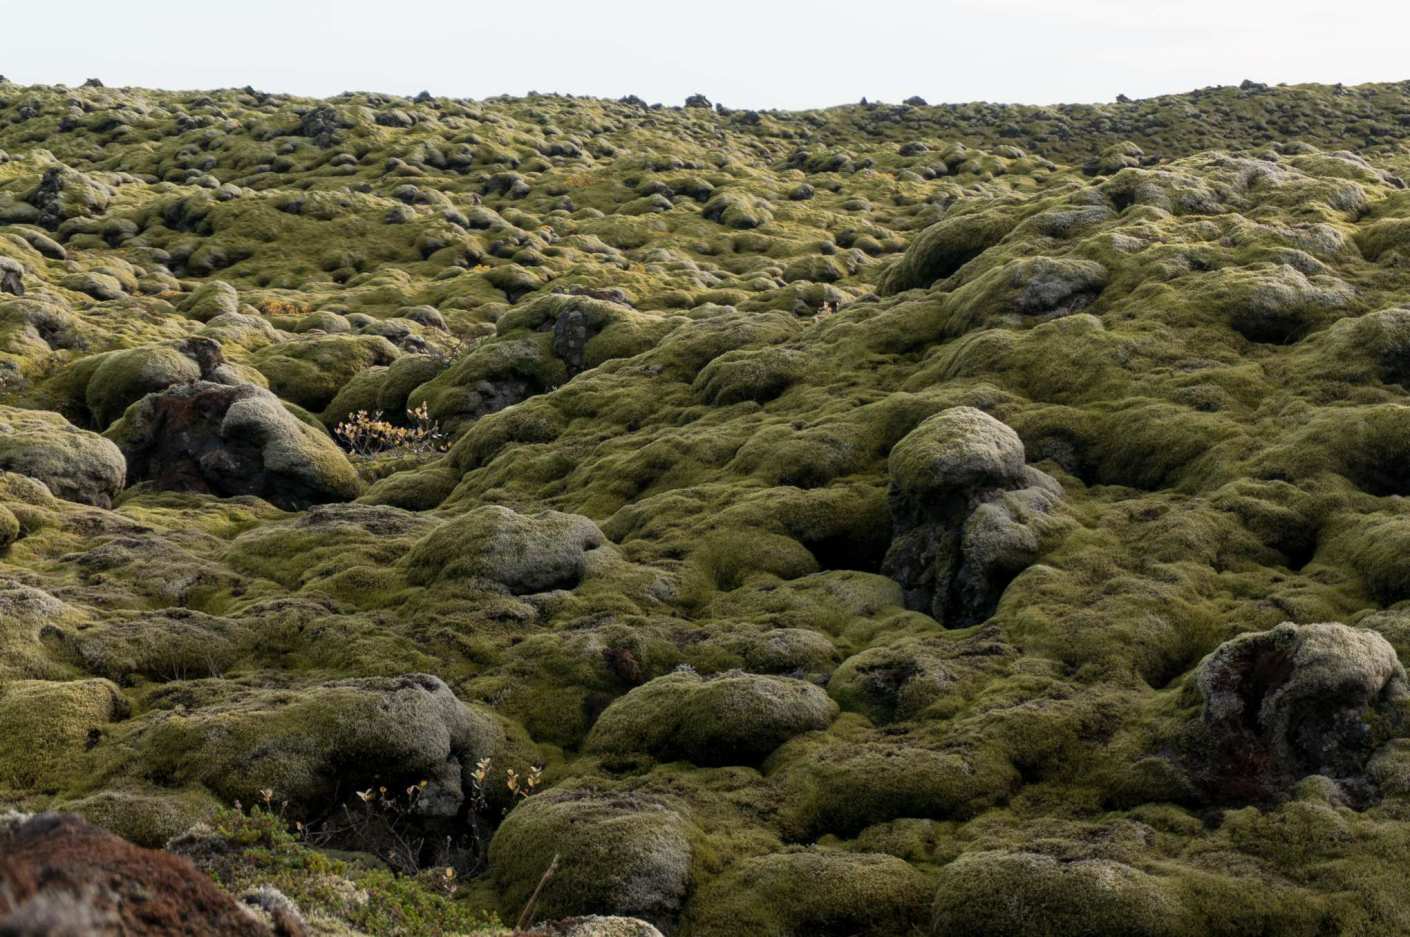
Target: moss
[
  {"x": 73, "y": 463},
  {"x": 676, "y": 391},
  {"x": 49, "y": 725},
  {"x": 852, "y": 778},
  {"x": 728, "y": 719},
  {"x": 312, "y": 747},
  {"x": 945, "y": 247},
  {"x": 10, "y": 529},
  {"x": 619, "y": 855},
  {"x": 148, "y": 818},
  {"x": 523, "y": 553},
  {"x": 815, "y": 891},
  {"x": 311, "y": 371},
  {"x": 1018, "y": 893}
]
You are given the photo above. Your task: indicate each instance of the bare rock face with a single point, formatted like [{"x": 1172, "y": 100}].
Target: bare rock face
[
  {"x": 232, "y": 440},
  {"x": 967, "y": 514},
  {"x": 1296, "y": 701},
  {"x": 61, "y": 877}
]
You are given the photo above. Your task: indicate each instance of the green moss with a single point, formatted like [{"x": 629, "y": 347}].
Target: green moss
[
  {"x": 683, "y": 356},
  {"x": 729, "y": 719},
  {"x": 815, "y": 891},
  {"x": 10, "y": 529},
  {"x": 49, "y": 725},
  {"x": 619, "y": 855}
]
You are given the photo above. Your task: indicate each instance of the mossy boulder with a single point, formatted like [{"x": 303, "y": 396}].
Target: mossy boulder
[
  {"x": 1024, "y": 894},
  {"x": 1299, "y": 700},
  {"x": 814, "y": 891},
  {"x": 731, "y": 718},
  {"x": 10, "y": 529},
  {"x": 596, "y": 925},
  {"x": 738, "y": 209},
  {"x": 891, "y": 683},
  {"x": 943, "y": 248},
  {"x": 521, "y": 553},
  {"x": 104, "y": 386},
  {"x": 853, "y": 777},
  {"x": 176, "y": 644},
  {"x": 231, "y": 440},
  {"x": 314, "y": 746},
  {"x": 212, "y": 299},
  {"x": 968, "y": 514},
  {"x": 146, "y": 817},
  {"x": 310, "y": 371},
  {"x": 493, "y": 376},
  {"x": 75, "y": 464},
  {"x": 47, "y": 726},
  {"x": 618, "y": 855},
  {"x": 64, "y": 193}
]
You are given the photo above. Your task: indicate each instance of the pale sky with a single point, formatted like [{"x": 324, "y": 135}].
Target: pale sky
[{"x": 759, "y": 54}]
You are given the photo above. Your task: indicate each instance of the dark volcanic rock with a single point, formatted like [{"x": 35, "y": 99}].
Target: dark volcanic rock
[
  {"x": 967, "y": 514},
  {"x": 232, "y": 440},
  {"x": 1295, "y": 701}
]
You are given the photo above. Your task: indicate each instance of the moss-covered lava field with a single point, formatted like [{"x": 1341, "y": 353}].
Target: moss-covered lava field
[{"x": 876, "y": 521}]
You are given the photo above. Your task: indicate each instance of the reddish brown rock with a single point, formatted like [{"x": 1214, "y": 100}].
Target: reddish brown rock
[{"x": 61, "y": 877}]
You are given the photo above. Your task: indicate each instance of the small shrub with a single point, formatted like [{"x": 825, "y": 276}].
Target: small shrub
[{"x": 368, "y": 434}]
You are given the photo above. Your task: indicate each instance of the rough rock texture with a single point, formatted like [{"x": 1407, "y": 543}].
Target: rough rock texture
[
  {"x": 1295, "y": 701},
  {"x": 122, "y": 378},
  {"x": 60, "y": 877},
  {"x": 74, "y": 464},
  {"x": 967, "y": 514},
  {"x": 231, "y": 440},
  {"x": 11, "y": 277}
]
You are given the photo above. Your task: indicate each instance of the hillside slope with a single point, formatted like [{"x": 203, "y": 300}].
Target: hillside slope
[{"x": 876, "y": 520}]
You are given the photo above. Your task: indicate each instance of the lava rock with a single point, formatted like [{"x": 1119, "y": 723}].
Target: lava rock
[
  {"x": 232, "y": 440},
  {"x": 11, "y": 277},
  {"x": 967, "y": 514},
  {"x": 1298, "y": 700}
]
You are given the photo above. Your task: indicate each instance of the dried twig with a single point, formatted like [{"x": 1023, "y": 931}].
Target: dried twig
[{"x": 528, "y": 914}]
